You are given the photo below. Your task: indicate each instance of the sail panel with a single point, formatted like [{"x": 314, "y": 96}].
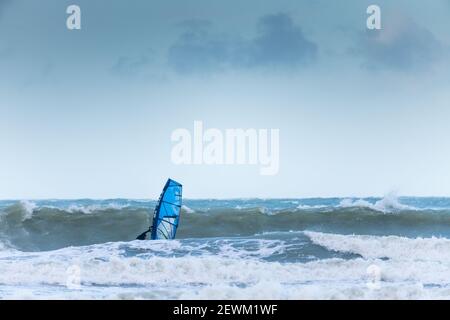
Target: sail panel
[{"x": 167, "y": 212}]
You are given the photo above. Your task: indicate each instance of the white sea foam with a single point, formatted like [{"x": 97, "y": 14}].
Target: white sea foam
[
  {"x": 393, "y": 247},
  {"x": 239, "y": 268},
  {"x": 262, "y": 290},
  {"x": 187, "y": 209},
  {"x": 407, "y": 274},
  {"x": 29, "y": 207},
  {"x": 221, "y": 278},
  {"x": 308, "y": 207},
  {"x": 235, "y": 249},
  {"x": 265, "y": 210},
  {"x": 260, "y": 209},
  {"x": 388, "y": 204},
  {"x": 89, "y": 209}
]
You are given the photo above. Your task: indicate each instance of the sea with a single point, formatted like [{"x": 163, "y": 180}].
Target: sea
[{"x": 316, "y": 248}]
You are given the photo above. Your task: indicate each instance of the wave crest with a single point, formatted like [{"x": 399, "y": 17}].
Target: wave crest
[
  {"x": 384, "y": 247},
  {"x": 388, "y": 204}
]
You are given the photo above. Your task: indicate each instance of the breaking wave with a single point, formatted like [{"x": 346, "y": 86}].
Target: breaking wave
[
  {"x": 228, "y": 249},
  {"x": 183, "y": 269},
  {"x": 29, "y": 226},
  {"x": 388, "y": 204}
]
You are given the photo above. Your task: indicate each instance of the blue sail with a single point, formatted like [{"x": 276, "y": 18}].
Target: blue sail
[{"x": 167, "y": 212}]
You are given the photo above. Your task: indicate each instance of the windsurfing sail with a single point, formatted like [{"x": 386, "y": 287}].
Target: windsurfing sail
[{"x": 167, "y": 212}]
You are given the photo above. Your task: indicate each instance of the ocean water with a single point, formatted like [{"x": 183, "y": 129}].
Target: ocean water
[{"x": 333, "y": 248}]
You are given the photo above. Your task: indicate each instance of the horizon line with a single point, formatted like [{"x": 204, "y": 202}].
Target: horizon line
[{"x": 231, "y": 198}]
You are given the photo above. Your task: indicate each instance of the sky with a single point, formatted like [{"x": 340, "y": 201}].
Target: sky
[{"x": 89, "y": 113}]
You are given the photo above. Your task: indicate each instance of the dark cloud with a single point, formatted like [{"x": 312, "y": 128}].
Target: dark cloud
[
  {"x": 198, "y": 50},
  {"x": 196, "y": 24},
  {"x": 3, "y": 4},
  {"x": 130, "y": 66},
  {"x": 403, "y": 46},
  {"x": 279, "y": 43}
]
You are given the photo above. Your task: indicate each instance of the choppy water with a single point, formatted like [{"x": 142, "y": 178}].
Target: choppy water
[{"x": 331, "y": 248}]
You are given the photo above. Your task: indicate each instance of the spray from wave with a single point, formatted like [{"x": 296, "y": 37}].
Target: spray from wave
[{"x": 388, "y": 204}]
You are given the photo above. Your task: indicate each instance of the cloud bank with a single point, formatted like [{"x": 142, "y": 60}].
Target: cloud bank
[
  {"x": 279, "y": 43},
  {"x": 400, "y": 46}
]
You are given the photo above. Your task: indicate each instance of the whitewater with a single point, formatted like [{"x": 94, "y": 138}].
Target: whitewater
[{"x": 317, "y": 248}]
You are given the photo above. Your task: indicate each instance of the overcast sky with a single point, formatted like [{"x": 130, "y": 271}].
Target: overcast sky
[{"x": 89, "y": 113}]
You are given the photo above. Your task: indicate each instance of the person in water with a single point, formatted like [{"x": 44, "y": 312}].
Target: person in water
[{"x": 143, "y": 236}]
